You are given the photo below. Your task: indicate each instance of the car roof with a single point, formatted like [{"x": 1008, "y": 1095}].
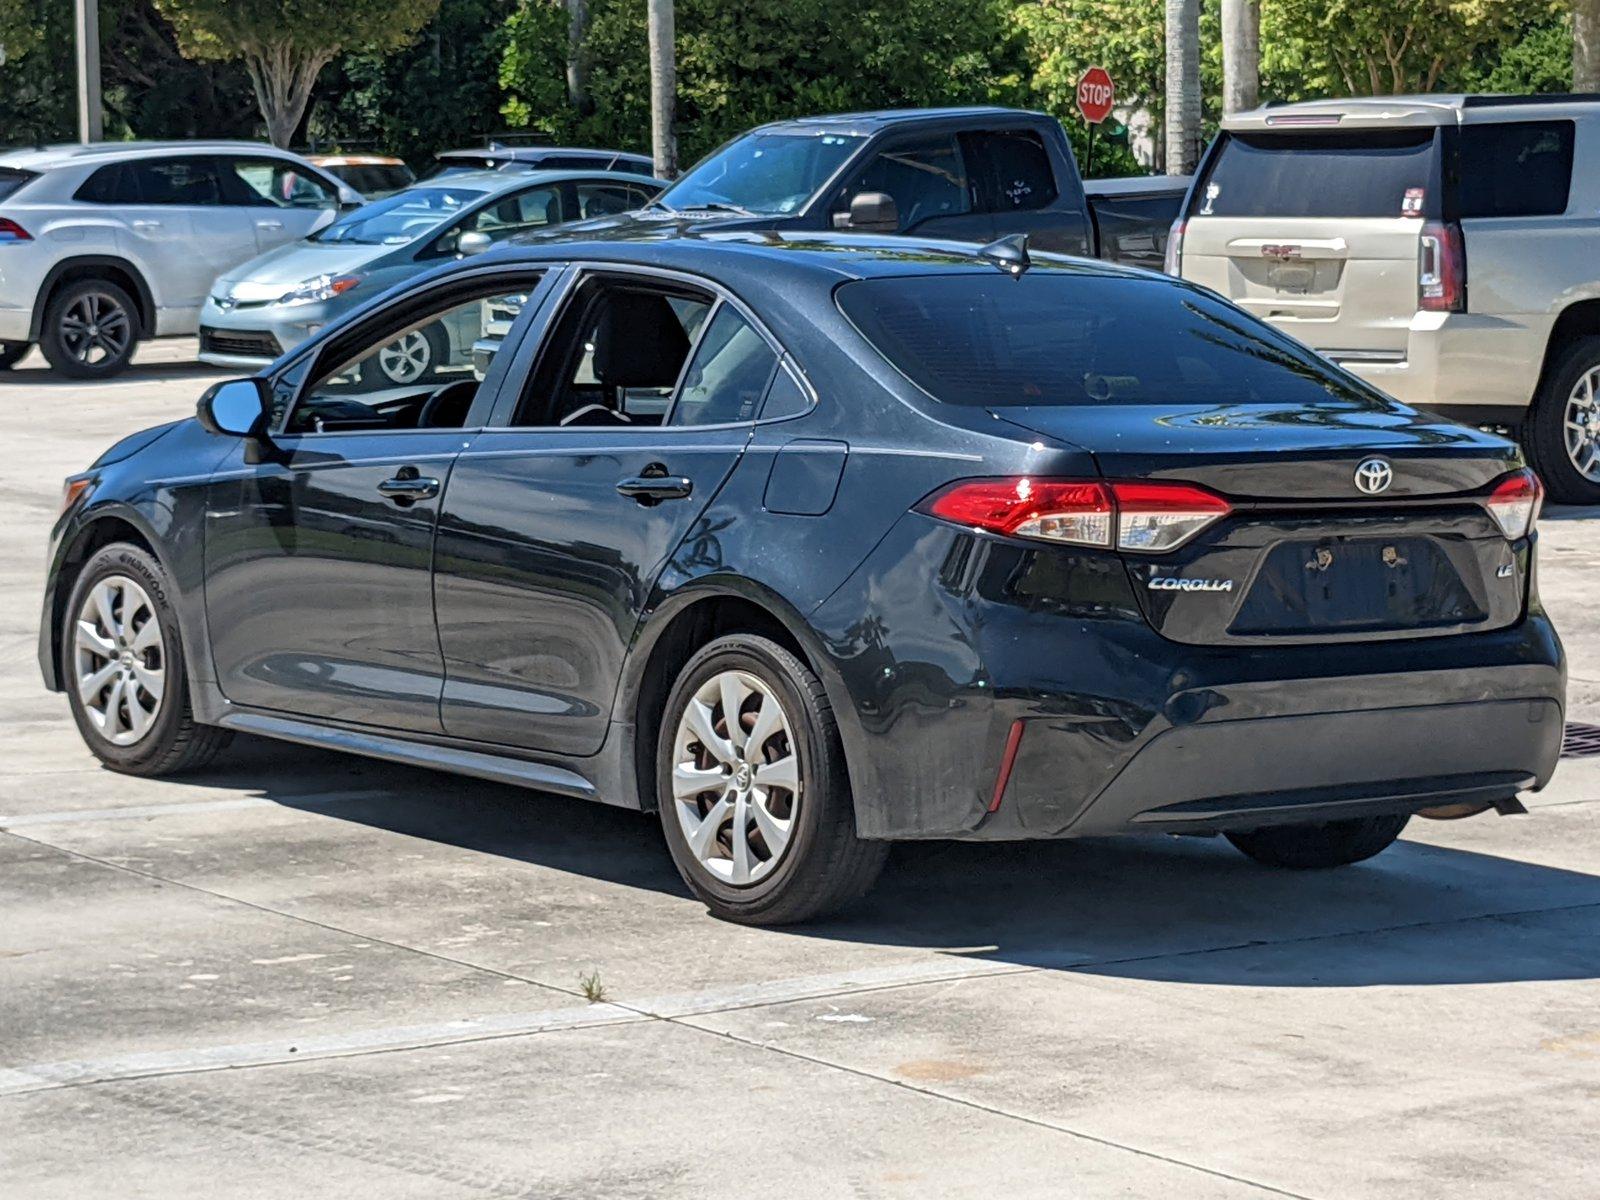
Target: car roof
[
  {"x": 771, "y": 255},
  {"x": 42, "y": 158},
  {"x": 875, "y": 119},
  {"x": 491, "y": 182},
  {"x": 535, "y": 153},
  {"x": 1392, "y": 111}
]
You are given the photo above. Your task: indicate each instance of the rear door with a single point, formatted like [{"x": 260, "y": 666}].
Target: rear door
[{"x": 1318, "y": 231}]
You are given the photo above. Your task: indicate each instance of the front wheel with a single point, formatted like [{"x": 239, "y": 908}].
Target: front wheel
[
  {"x": 1561, "y": 436},
  {"x": 1310, "y": 847},
  {"x": 123, "y": 670},
  {"x": 754, "y": 798}
]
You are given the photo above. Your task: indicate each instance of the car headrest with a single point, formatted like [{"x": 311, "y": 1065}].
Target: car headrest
[{"x": 638, "y": 342}]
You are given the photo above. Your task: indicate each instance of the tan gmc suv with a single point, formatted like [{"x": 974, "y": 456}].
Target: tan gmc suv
[{"x": 1445, "y": 248}]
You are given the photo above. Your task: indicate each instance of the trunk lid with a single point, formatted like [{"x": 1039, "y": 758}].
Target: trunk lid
[
  {"x": 1305, "y": 555},
  {"x": 1318, "y": 232}
]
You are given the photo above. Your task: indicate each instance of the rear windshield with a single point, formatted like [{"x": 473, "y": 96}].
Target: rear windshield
[
  {"x": 1367, "y": 173},
  {"x": 11, "y": 179},
  {"x": 1064, "y": 338}
]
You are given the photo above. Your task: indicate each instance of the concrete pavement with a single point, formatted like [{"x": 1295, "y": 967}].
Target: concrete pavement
[{"x": 306, "y": 974}]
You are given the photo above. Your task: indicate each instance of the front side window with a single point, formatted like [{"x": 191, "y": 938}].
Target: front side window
[
  {"x": 1353, "y": 173},
  {"x": 607, "y": 199},
  {"x": 1518, "y": 169},
  {"x": 728, "y": 375},
  {"x": 762, "y": 173},
  {"x": 517, "y": 213},
  {"x": 273, "y": 182},
  {"x": 925, "y": 175},
  {"x": 419, "y": 376},
  {"x": 1070, "y": 338}
]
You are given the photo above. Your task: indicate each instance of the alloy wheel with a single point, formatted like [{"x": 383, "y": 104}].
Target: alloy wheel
[
  {"x": 736, "y": 783},
  {"x": 407, "y": 358},
  {"x": 120, "y": 660},
  {"x": 1581, "y": 425},
  {"x": 96, "y": 329}
]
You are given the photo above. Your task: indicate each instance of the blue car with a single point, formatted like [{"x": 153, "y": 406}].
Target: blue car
[{"x": 274, "y": 302}]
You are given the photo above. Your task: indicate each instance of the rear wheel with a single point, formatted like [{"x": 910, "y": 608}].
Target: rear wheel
[
  {"x": 122, "y": 666},
  {"x": 1562, "y": 434},
  {"x": 90, "y": 329},
  {"x": 11, "y": 353},
  {"x": 755, "y": 802},
  {"x": 1310, "y": 847}
]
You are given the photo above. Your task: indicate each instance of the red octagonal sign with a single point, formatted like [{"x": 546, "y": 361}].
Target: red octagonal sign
[{"x": 1096, "y": 94}]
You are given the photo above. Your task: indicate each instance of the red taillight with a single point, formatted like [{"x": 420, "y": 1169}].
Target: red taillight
[
  {"x": 10, "y": 231},
  {"x": 1146, "y": 518},
  {"x": 1173, "y": 261},
  {"x": 1515, "y": 502},
  {"x": 1441, "y": 269}
]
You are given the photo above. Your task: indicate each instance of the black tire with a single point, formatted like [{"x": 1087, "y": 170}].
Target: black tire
[
  {"x": 11, "y": 353},
  {"x": 174, "y": 741},
  {"x": 824, "y": 866},
  {"x": 1544, "y": 435},
  {"x": 56, "y": 337},
  {"x": 374, "y": 376},
  {"x": 1314, "y": 847}
]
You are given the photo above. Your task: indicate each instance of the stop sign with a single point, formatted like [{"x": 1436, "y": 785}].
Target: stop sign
[{"x": 1096, "y": 93}]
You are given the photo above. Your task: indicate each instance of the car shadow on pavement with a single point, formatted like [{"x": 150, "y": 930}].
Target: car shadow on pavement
[
  {"x": 1188, "y": 910},
  {"x": 146, "y": 372}
]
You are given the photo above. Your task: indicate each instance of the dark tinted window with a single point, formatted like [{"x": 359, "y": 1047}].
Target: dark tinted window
[
  {"x": 605, "y": 199},
  {"x": 1067, "y": 338},
  {"x": 925, "y": 175},
  {"x": 1521, "y": 169},
  {"x": 11, "y": 179},
  {"x": 1134, "y": 229},
  {"x": 1011, "y": 170},
  {"x": 180, "y": 181},
  {"x": 110, "y": 185},
  {"x": 1370, "y": 173},
  {"x": 728, "y": 374},
  {"x": 575, "y": 162}
]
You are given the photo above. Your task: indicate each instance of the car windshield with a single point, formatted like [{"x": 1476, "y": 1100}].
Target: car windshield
[
  {"x": 1072, "y": 338},
  {"x": 762, "y": 173},
  {"x": 400, "y": 218}
]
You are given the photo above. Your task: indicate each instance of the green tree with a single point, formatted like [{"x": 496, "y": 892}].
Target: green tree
[
  {"x": 285, "y": 43},
  {"x": 36, "y": 81}
]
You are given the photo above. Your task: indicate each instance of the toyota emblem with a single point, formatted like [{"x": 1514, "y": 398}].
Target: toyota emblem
[{"x": 1374, "y": 476}]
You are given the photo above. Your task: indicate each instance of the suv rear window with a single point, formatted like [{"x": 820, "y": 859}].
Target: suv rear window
[
  {"x": 11, "y": 179},
  {"x": 1519, "y": 169},
  {"x": 1063, "y": 338},
  {"x": 1354, "y": 173}
]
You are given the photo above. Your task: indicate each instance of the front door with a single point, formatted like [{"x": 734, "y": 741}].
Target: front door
[
  {"x": 319, "y": 558},
  {"x": 556, "y": 526}
]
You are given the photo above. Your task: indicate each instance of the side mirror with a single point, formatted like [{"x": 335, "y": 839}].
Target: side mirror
[
  {"x": 874, "y": 212},
  {"x": 349, "y": 197},
  {"x": 473, "y": 243},
  {"x": 235, "y": 408}
]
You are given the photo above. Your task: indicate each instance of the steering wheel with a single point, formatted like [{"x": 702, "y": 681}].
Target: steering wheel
[{"x": 447, "y": 405}]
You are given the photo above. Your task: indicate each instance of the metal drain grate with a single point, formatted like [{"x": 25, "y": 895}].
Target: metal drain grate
[{"x": 1580, "y": 741}]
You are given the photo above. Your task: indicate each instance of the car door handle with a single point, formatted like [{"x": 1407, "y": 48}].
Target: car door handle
[
  {"x": 269, "y": 224},
  {"x": 653, "y": 485},
  {"x": 408, "y": 487},
  {"x": 142, "y": 224}
]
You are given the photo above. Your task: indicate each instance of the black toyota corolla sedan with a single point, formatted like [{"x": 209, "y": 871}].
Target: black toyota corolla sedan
[{"x": 812, "y": 545}]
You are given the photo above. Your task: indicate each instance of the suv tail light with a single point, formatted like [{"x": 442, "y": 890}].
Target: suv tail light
[
  {"x": 10, "y": 231},
  {"x": 1441, "y": 268},
  {"x": 1146, "y": 518},
  {"x": 1515, "y": 502},
  {"x": 1173, "y": 263}
]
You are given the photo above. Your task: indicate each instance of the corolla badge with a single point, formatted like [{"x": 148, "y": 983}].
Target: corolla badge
[
  {"x": 1171, "y": 583},
  {"x": 1373, "y": 476}
]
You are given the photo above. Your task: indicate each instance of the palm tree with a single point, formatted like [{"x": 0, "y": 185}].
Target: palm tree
[
  {"x": 1183, "y": 86},
  {"x": 1241, "y": 54},
  {"x": 1586, "y": 45},
  {"x": 663, "y": 89}
]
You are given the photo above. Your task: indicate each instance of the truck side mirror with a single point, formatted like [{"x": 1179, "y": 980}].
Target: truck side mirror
[{"x": 874, "y": 212}]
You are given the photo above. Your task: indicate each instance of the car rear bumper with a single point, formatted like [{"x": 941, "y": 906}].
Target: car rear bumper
[{"x": 993, "y": 709}]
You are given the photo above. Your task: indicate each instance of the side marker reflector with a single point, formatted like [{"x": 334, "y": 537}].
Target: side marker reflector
[{"x": 1013, "y": 741}]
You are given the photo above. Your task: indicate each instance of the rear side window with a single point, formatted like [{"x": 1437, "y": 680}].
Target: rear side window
[
  {"x": 1520, "y": 169},
  {"x": 1011, "y": 170},
  {"x": 11, "y": 179},
  {"x": 1063, "y": 338},
  {"x": 1365, "y": 173},
  {"x": 728, "y": 374},
  {"x": 184, "y": 181}
]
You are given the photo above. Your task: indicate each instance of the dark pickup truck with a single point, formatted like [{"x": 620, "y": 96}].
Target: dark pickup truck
[{"x": 966, "y": 174}]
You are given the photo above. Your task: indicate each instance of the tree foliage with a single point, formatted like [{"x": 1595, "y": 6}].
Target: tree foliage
[{"x": 286, "y": 43}]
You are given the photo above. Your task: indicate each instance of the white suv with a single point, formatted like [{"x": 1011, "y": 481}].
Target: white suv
[
  {"x": 1445, "y": 248},
  {"x": 102, "y": 245}
]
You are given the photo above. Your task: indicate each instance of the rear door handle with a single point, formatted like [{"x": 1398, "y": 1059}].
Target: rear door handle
[
  {"x": 269, "y": 224},
  {"x": 408, "y": 486},
  {"x": 653, "y": 485},
  {"x": 142, "y": 224}
]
